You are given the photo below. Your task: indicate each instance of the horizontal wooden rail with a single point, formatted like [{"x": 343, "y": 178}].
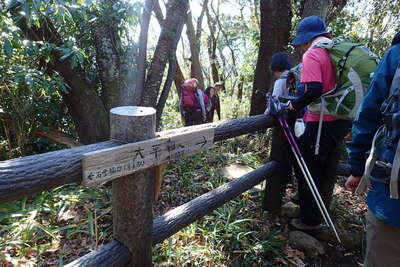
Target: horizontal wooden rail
[
  {"x": 34, "y": 174},
  {"x": 112, "y": 254},
  {"x": 180, "y": 217}
]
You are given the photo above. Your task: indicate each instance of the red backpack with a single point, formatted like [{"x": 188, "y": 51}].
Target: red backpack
[{"x": 188, "y": 98}]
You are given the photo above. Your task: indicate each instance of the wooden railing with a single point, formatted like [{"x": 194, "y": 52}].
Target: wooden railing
[{"x": 34, "y": 174}]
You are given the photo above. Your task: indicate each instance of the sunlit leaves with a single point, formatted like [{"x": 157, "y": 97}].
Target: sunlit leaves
[{"x": 7, "y": 48}]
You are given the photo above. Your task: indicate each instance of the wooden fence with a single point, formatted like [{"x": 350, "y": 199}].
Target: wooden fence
[{"x": 134, "y": 234}]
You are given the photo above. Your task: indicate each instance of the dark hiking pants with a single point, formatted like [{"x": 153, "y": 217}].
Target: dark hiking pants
[
  {"x": 193, "y": 118},
  {"x": 332, "y": 135},
  {"x": 276, "y": 183}
]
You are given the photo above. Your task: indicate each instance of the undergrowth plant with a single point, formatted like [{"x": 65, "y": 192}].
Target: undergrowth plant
[{"x": 57, "y": 226}]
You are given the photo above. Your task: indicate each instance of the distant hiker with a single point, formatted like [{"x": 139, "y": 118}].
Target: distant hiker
[
  {"x": 215, "y": 102},
  {"x": 325, "y": 129},
  {"x": 192, "y": 106},
  {"x": 284, "y": 85},
  {"x": 378, "y": 123},
  {"x": 210, "y": 92}
]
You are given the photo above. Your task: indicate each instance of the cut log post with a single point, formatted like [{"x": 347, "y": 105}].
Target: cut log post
[
  {"x": 159, "y": 177},
  {"x": 133, "y": 194}
]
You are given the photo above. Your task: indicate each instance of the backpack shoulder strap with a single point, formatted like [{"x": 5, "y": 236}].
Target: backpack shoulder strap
[
  {"x": 322, "y": 45},
  {"x": 396, "y": 81},
  {"x": 284, "y": 75},
  {"x": 394, "y": 175}
]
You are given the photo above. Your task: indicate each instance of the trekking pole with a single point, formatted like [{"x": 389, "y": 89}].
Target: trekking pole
[
  {"x": 308, "y": 177},
  {"x": 302, "y": 168}
]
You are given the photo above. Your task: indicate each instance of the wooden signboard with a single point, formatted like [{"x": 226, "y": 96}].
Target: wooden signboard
[{"x": 107, "y": 164}]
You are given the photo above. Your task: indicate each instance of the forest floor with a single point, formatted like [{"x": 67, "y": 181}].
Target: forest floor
[{"x": 58, "y": 226}]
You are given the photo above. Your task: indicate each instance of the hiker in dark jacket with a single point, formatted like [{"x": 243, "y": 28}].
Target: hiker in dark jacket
[
  {"x": 215, "y": 103},
  {"x": 210, "y": 92},
  {"x": 383, "y": 216},
  {"x": 276, "y": 183}
]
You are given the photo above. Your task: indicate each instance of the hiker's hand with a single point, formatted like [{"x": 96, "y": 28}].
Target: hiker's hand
[
  {"x": 289, "y": 106},
  {"x": 352, "y": 182}
]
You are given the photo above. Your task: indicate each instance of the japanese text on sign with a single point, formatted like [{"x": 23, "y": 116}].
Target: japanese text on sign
[{"x": 107, "y": 164}]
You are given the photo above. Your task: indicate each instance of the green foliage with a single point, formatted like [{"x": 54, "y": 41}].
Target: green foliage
[
  {"x": 29, "y": 95},
  {"x": 171, "y": 118},
  {"x": 30, "y": 98},
  {"x": 371, "y": 22},
  {"x": 242, "y": 239},
  {"x": 32, "y": 229}
]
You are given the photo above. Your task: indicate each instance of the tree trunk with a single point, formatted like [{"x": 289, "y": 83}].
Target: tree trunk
[
  {"x": 221, "y": 28},
  {"x": 144, "y": 29},
  {"x": 85, "y": 106},
  {"x": 200, "y": 22},
  {"x": 195, "y": 69},
  {"x": 176, "y": 15},
  {"x": 213, "y": 60},
  {"x": 116, "y": 64},
  {"x": 158, "y": 12},
  {"x": 314, "y": 8},
  {"x": 240, "y": 89},
  {"x": 276, "y": 18},
  {"x": 254, "y": 12},
  {"x": 212, "y": 47},
  {"x": 108, "y": 51},
  {"x": 222, "y": 74},
  {"x": 172, "y": 66},
  {"x": 168, "y": 82},
  {"x": 178, "y": 78},
  {"x": 326, "y": 9}
]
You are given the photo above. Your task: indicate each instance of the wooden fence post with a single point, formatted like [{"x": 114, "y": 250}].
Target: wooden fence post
[{"x": 133, "y": 195}]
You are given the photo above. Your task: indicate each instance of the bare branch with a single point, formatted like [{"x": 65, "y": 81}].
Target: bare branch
[{"x": 56, "y": 136}]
